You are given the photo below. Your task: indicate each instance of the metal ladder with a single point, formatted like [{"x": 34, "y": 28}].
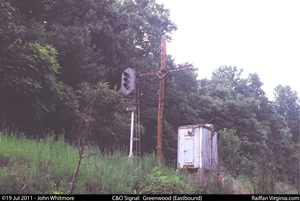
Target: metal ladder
[
  {"x": 137, "y": 133},
  {"x": 137, "y": 122}
]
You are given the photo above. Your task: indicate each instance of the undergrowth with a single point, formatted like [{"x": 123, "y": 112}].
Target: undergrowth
[{"x": 46, "y": 166}]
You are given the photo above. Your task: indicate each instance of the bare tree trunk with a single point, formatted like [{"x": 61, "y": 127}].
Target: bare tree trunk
[
  {"x": 77, "y": 169},
  {"x": 82, "y": 133}
]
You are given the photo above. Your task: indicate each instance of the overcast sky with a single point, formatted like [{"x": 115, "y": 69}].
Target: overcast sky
[{"x": 261, "y": 36}]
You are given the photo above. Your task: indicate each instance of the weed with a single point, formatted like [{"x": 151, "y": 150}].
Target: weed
[
  {"x": 162, "y": 181},
  {"x": 46, "y": 166}
]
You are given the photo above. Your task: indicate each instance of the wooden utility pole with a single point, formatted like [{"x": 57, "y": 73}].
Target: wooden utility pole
[
  {"x": 161, "y": 99},
  {"x": 161, "y": 73}
]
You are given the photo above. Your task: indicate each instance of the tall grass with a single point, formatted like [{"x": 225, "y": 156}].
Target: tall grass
[
  {"x": 46, "y": 166},
  {"x": 35, "y": 166}
]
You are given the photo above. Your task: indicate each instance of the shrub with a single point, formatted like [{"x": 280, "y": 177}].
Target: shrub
[
  {"x": 210, "y": 183},
  {"x": 231, "y": 154},
  {"x": 157, "y": 182},
  {"x": 8, "y": 181},
  {"x": 4, "y": 160},
  {"x": 264, "y": 181}
]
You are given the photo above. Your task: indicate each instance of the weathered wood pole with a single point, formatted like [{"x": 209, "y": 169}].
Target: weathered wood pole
[{"x": 161, "y": 100}]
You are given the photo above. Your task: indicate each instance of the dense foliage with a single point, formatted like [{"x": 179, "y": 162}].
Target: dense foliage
[{"x": 56, "y": 57}]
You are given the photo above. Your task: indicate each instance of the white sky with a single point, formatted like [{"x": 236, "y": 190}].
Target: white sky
[{"x": 261, "y": 36}]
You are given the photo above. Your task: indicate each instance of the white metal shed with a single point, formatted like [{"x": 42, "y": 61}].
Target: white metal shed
[{"x": 197, "y": 147}]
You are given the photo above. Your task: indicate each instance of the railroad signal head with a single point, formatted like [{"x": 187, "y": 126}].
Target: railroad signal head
[{"x": 128, "y": 81}]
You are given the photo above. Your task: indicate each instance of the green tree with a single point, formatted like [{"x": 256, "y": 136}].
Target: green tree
[
  {"x": 96, "y": 41},
  {"x": 287, "y": 104},
  {"x": 231, "y": 154},
  {"x": 111, "y": 123},
  {"x": 242, "y": 101},
  {"x": 28, "y": 73}
]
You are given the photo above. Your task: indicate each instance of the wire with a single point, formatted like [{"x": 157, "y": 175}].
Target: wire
[{"x": 215, "y": 117}]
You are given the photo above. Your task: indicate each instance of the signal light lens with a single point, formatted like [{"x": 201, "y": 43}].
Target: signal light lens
[
  {"x": 126, "y": 74},
  {"x": 126, "y": 86},
  {"x": 126, "y": 80}
]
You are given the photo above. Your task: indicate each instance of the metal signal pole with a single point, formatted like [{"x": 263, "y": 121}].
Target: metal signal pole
[
  {"x": 131, "y": 133},
  {"x": 128, "y": 87}
]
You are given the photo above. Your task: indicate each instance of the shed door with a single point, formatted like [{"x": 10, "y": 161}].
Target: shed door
[
  {"x": 188, "y": 151},
  {"x": 206, "y": 148}
]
